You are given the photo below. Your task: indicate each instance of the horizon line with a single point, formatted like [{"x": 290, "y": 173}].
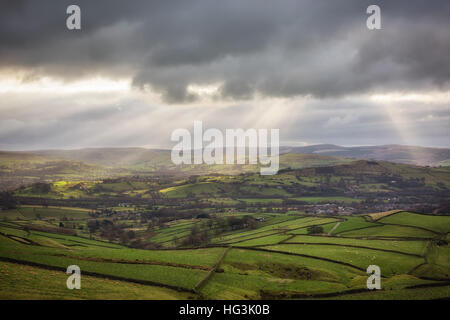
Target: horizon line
[{"x": 164, "y": 148}]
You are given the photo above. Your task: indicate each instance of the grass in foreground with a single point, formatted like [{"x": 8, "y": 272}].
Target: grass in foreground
[{"x": 26, "y": 282}]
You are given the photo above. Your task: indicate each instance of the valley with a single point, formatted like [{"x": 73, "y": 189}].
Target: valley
[{"x": 195, "y": 232}]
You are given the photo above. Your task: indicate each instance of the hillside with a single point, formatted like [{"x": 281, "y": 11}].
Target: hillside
[
  {"x": 387, "y": 185},
  {"x": 283, "y": 256},
  {"x": 93, "y": 164},
  {"x": 20, "y": 168},
  {"x": 154, "y": 159},
  {"x": 111, "y": 157},
  {"x": 24, "y": 168},
  {"x": 395, "y": 153}
]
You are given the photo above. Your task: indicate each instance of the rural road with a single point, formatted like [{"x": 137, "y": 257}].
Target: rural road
[{"x": 334, "y": 228}]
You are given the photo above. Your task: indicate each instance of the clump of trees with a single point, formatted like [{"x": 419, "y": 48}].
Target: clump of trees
[
  {"x": 41, "y": 187},
  {"x": 201, "y": 233},
  {"x": 111, "y": 231},
  {"x": 106, "y": 228},
  {"x": 196, "y": 237},
  {"x": 7, "y": 201},
  {"x": 314, "y": 230}
]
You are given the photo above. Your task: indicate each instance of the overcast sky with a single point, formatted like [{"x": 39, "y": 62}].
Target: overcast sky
[{"x": 137, "y": 70}]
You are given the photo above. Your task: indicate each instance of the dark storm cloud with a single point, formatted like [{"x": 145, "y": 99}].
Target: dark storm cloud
[{"x": 275, "y": 48}]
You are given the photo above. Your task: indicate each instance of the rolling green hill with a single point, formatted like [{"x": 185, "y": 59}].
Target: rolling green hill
[
  {"x": 275, "y": 260},
  {"x": 24, "y": 168},
  {"x": 394, "y": 153},
  {"x": 360, "y": 178}
]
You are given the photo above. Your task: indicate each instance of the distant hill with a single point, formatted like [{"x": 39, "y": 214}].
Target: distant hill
[
  {"x": 358, "y": 179},
  {"x": 365, "y": 168},
  {"x": 140, "y": 159},
  {"x": 24, "y": 168},
  {"x": 422, "y": 156},
  {"x": 109, "y": 157}
]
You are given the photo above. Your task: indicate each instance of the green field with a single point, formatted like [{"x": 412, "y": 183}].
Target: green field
[
  {"x": 274, "y": 260},
  {"x": 390, "y": 231},
  {"x": 327, "y": 199},
  {"x": 18, "y": 281},
  {"x": 352, "y": 223},
  {"x": 412, "y": 247},
  {"x": 439, "y": 224}
]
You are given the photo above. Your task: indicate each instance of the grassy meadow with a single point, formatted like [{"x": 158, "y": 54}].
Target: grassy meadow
[{"x": 279, "y": 259}]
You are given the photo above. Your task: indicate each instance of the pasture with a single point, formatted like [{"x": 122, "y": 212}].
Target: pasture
[{"x": 277, "y": 259}]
